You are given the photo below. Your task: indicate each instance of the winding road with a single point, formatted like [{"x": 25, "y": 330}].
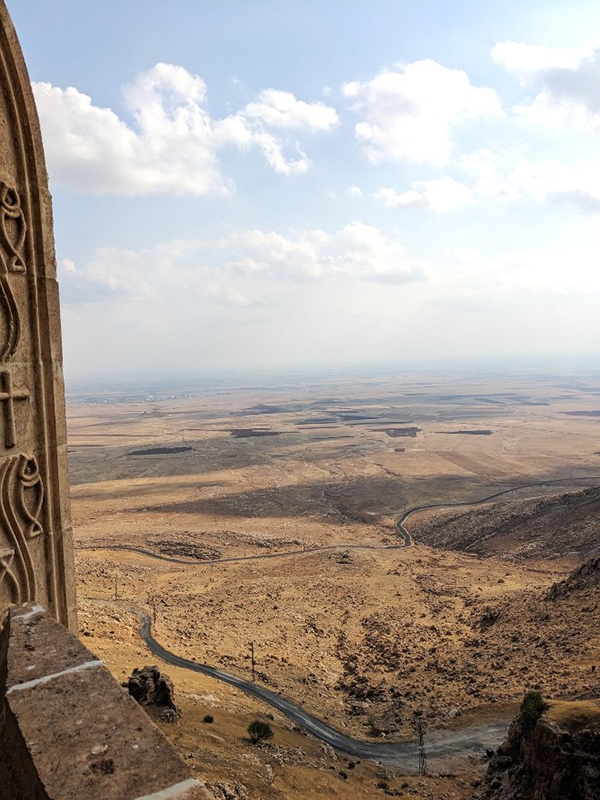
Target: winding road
[
  {"x": 443, "y": 746},
  {"x": 399, "y": 525}
]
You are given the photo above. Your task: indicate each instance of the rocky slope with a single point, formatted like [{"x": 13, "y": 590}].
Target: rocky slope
[
  {"x": 585, "y": 579},
  {"x": 547, "y": 763},
  {"x": 562, "y": 525}
]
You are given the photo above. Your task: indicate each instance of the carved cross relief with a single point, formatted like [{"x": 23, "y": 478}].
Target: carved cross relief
[{"x": 8, "y": 397}]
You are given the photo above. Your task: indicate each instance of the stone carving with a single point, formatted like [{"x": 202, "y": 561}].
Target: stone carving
[
  {"x": 13, "y": 230},
  {"x": 6, "y": 558},
  {"x": 36, "y": 559},
  {"x": 8, "y": 397},
  {"x": 21, "y": 499}
]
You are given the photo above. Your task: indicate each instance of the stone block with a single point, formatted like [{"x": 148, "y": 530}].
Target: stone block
[{"x": 68, "y": 730}]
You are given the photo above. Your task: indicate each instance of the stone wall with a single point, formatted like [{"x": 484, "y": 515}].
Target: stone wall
[
  {"x": 68, "y": 730},
  {"x": 36, "y": 554}
]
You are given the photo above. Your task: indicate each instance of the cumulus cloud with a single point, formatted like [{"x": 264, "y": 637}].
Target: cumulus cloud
[
  {"x": 172, "y": 143},
  {"x": 504, "y": 175},
  {"x": 239, "y": 131},
  {"x": 242, "y": 269},
  {"x": 357, "y": 251},
  {"x": 525, "y": 60},
  {"x": 411, "y": 113},
  {"x": 441, "y": 195},
  {"x": 279, "y": 109},
  {"x": 565, "y": 81}
]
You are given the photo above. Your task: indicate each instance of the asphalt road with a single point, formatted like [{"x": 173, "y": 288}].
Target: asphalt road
[
  {"x": 399, "y": 525},
  {"x": 441, "y": 746}
]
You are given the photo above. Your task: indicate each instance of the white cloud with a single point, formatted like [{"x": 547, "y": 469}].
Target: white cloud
[
  {"x": 90, "y": 148},
  {"x": 505, "y": 175},
  {"x": 259, "y": 297},
  {"x": 441, "y": 195},
  {"x": 173, "y": 143},
  {"x": 279, "y": 109},
  {"x": 245, "y": 134},
  {"x": 354, "y": 191},
  {"x": 525, "y": 60},
  {"x": 565, "y": 80},
  {"x": 68, "y": 265},
  {"x": 412, "y": 113},
  {"x": 562, "y": 270},
  {"x": 357, "y": 251},
  {"x": 242, "y": 269}
]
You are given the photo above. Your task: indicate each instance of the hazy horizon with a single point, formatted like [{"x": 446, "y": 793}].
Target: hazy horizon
[{"x": 524, "y": 369}]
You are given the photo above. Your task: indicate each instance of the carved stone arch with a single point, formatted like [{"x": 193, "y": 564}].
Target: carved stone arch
[{"x": 35, "y": 528}]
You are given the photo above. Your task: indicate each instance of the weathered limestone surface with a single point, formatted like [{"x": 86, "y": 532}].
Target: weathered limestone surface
[
  {"x": 68, "y": 730},
  {"x": 36, "y": 556}
]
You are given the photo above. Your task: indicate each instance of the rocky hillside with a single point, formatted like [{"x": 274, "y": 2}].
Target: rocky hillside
[
  {"x": 562, "y": 525},
  {"x": 585, "y": 579},
  {"x": 550, "y": 762}
]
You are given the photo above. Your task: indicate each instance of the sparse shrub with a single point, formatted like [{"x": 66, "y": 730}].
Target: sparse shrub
[
  {"x": 343, "y": 774},
  {"x": 259, "y": 731},
  {"x": 351, "y": 765},
  {"x": 208, "y": 718},
  {"x": 532, "y": 708},
  {"x": 383, "y": 785}
]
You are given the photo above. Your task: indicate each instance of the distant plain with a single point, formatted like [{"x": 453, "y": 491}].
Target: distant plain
[{"x": 361, "y": 633}]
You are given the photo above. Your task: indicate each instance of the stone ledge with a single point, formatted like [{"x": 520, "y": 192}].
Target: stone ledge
[{"x": 68, "y": 730}]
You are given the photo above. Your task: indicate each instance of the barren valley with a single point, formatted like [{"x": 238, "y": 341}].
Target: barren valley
[{"x": 269, "y": 514}]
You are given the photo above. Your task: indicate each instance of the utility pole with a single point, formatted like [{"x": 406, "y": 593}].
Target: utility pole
[
  {"x": 252, "y": 662},
  {"x": 152, "y": 604},
  {"x": 422, "y": 754}
]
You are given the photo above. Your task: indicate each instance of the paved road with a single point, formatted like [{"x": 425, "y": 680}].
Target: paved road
[
  {"x": 399, "y": 525},
  {"x": 407, "y": 538},
  {"x": 441, "y": 746}
]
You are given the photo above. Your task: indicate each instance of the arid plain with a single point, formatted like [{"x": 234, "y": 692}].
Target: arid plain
[{"x": 301, "y": 484}]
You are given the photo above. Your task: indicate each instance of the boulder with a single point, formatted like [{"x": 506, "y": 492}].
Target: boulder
[{"x": 154, "y": 691}]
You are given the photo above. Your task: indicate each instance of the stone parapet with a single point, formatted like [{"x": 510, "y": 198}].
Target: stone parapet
[
  {"x": 36, "y": 548},
  {"x": 68, "y": 730}
]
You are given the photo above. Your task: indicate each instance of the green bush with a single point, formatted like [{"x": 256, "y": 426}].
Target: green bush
[
  {"x": 532, "y": 708},
  {"x": 208, "y": 718},
  {"x": 259, "y": 731}
]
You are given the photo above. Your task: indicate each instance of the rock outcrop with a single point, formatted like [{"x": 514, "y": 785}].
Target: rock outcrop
[
  {"x": 155, "y": 692},
  {"x": 546, "y": 763},
  {"x": 585, "y": 577}
]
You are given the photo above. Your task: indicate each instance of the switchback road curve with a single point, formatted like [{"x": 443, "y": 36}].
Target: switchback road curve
[
  {"x": 441, "y": 746},
  {"x": 399, "y": 525}
]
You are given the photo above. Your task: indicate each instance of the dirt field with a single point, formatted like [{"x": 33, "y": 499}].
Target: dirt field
[{"x": 362, "y": 635}]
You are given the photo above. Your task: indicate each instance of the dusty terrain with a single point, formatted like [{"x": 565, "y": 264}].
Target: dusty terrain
[{"x": 301, "y": 484}]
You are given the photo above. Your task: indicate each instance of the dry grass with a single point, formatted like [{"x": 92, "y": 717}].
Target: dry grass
[
  {"x": 411, "y": 624},
  {"x": 575, "y": 715}
]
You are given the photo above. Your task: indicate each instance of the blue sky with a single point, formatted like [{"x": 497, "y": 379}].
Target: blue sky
[{"x": 298, "y": 184}]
